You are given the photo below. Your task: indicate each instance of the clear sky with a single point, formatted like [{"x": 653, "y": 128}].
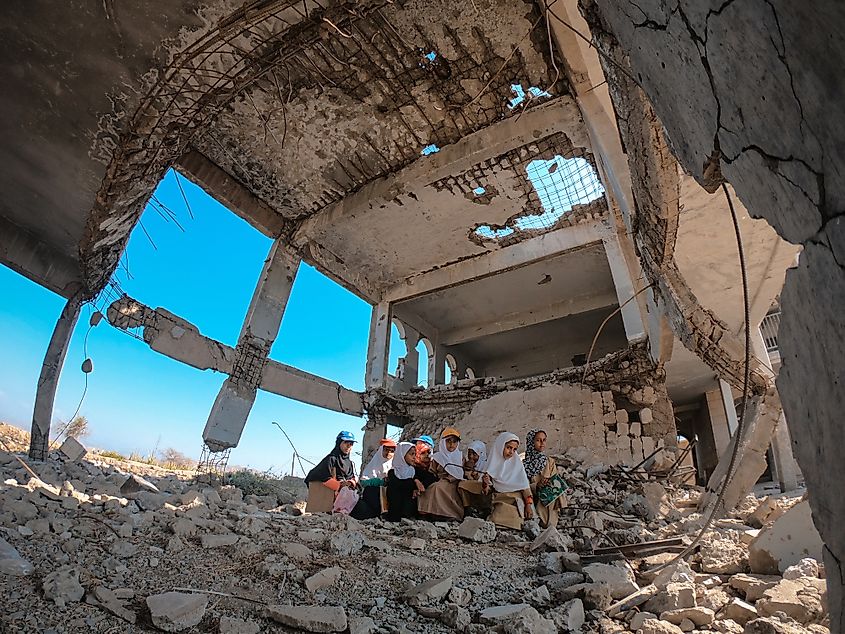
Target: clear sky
[{"x": 139, "y": 400}]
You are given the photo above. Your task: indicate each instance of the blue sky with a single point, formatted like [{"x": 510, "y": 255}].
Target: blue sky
[{"x": 139, "y": 400}]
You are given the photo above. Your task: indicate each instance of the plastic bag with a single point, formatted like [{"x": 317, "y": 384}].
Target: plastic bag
[{"x": 345, "y": 501}]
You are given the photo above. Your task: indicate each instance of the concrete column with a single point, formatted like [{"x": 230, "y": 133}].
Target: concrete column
[
  {"x": 230, "y": 410},
  {"x": 378, "y": 348},
  {"x": 784, "y": 469},
  {"x": 730, "y": 408},
  {"x": 48, "y": 381},
  {"x": 631, "y": 316},
  {"x": 412, "y": 358},
  {"x": 437, "y": 367},
  {"x": 719, "y": 423}
]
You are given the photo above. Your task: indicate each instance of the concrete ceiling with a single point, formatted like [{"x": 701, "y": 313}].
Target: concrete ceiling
[{"x": 573, "y": 282}]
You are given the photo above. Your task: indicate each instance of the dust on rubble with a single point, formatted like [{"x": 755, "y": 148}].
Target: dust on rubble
[{"x": 89, "y": 547}]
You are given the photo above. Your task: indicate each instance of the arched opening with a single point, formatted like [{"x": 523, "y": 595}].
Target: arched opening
[
  {"x": 398, "y": 349},
  {"x": 451, "y": 371},
  {"x": 426, "y": 352},
  {"x": 470, "y": 373}
]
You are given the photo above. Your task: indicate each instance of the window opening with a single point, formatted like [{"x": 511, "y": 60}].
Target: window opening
[{"x": 519, "y": 91}]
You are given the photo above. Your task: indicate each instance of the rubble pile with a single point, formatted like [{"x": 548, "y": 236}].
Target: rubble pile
[{"x": 88, "y": 547}]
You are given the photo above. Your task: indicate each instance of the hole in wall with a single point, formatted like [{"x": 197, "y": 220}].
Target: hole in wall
[
  {"x": 519, "y": 91},
  {"x": 430, "y": 149}
]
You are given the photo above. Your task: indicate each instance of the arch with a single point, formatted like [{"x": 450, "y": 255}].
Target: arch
[
  {"x": 451, "y": 372},
  {"x": 398, "y": 347},
  {"x": 469, "y": 373},
  {"x": 426, "y": 352}
]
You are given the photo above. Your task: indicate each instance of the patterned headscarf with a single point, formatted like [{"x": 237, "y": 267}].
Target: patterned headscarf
[{"x": 534, "y": 461}]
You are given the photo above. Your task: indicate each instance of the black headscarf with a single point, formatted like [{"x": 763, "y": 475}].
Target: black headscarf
[{"x": 336, "y": 465}]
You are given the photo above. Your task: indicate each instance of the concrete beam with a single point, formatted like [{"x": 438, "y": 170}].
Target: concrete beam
[
  {"x": 516, "y": 320},
  {"x": 48, "y": 381},
  {"x": 623, "y": 282},
  {"x": 25, "y": 254},
  {"x": 220, "y": 185},
  {"x": 511, "y": 257},
  {"x": 179, "y": 339},
  {"x": 379, "y": 346}
]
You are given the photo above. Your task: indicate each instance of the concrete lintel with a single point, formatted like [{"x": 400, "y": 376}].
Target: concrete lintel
[
  {"x": 26, "y": 254},
  {"x": 291, "y": 382},
  {"x": 204, "y": 172},
  {"x": 511, "y": 257},
  {"x": 622, "y": 280},
  {"x": 541, "y": 121},
  {"x": 570, "y": 306}
]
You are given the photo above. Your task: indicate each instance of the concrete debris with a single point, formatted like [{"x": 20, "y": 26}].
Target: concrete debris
[
  {"x": 218, "y": 541},
  {"x": 740, "y": 611},
  {"x": 63, "y": 585},
  {"x": 802, "y": 599},
  {"x": 323, "y": 579},
  {"x": 753, "y": 586},
  {"x": 675, "y": 596},
  {"x": 228, "y": 625},
  {"x": 619, "y": 580},
  {"x": 723, "y": 553},
  {"x": 109, "y": 601},
  {"x": 72, "y": 449},
  {"x": 789, "y": 539},
  {"x": 456, "y": 617},
  {"x": 698, "y": 615},
  {"x": 807, "y": 567},
  {"x": 11, "y": 562},
  {"x": 362, "y": 625},
  {"x": 568, "y": 617},
  {"x": 429, "y": 591},
  {"x": 657, "y": 626},
  {"x": 347, "y": 543},
  {"x": 477, "y": 530},
  {"x": 310, "y": 618},
  {"x": 135, "y": 483},
  {"x": 176, "y": 611}
]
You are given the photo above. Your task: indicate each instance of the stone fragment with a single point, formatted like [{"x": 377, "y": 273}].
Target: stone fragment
[
  {"x": 229, "y": 625},
  {"x": 300, "y": 552},
  {"x": 698, "y": 615},
  {"x": 561, "y": 581},
  {"x": 656, "y": 626},
  {"x": 791, "y": 538},
  {"x": 123, "y": 549},
  {"x": 176, "y": 611},
  {"x": 214, "y": 540},
  {"x": 638, "y": 620},
  {"x": 557, "y": 562},
  {"x": 346, "y": 543},
  {"x": 323, "y": 579},
  {"x": 674, "y": 597},
  {"x": 110, "y": 602},
  {"x": 568, "y": 617},
  {"x": 63, "y": 585},
  {"x": 72, "y": 449},
  {"x": 538, "y": 597},
  {"x": 739, "y": 611},
  {"x": 727, "y": 626},
  {"x": 426, "y": 531},
  {"x": 362, "y": 625},
  {"x": 766, "y": 507},
  {"x": 551, "y": 539},
  {"x": 619, "y": 580},
  {"x": 455, "y": 617},
  {"x": 135, "y": 483},
  {"x": 776, "y": 625},
  {"x": 632, "y": 600},
  {"x": 11, "y": 562},
  {"x": 477, "y": 530},
  {"x": 802, "y": 599},
  {"x": 723, "y": 554},
  {"x": 679, "y": 572},
  {"x": 807, "y": 567},
  {"x": 309, "y": 618},
  {"x": 714, "y": 598},
  {"x": 429, "y": 591},
  {"x": 499, "y": 613},
  {"x": 753, "y": 586}
]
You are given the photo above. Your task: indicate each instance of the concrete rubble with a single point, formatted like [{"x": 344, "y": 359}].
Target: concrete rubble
[{"x": 103, "y": 550}]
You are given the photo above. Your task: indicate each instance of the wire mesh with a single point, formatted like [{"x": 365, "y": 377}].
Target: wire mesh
[{"x": 213, "y": 464}]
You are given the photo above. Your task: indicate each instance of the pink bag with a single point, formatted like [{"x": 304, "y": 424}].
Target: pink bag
[{"x": 345, "y": 501}]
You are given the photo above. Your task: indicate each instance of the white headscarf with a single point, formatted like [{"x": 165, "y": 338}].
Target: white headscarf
[
  {"x": 452, "y": 461},
  {"x": 507, "y": 475},
  {"x": 378, "y": 466},
  {"x": 402, "y": 469},
  {"x": 481, "y": 449}
]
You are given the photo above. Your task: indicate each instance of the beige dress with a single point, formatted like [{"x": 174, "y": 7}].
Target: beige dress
[
  {"x": 507, "y": 509},
  {"x": 548, "y": 515},
  {"x": 442, "y": 498},
  {"x": 471, "y": 495},
  {"x": 320, "y": 498}
]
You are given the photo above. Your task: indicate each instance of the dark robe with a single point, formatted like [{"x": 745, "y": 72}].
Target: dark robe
[
  {"x": 400, "y": 494},
  {"x": 335, "y": 465}
]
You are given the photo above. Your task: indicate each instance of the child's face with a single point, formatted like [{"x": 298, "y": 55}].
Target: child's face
[
  {"x": 510, "y": 449},
  {"x": 540, "y": 442},
  {"x": 451, "y": 443},
  {"x": 472, "y": 458}
]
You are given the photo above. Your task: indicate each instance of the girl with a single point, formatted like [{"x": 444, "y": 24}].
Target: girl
[
  {"x": 330, "y": 474},
  {"x": 441, "y": 499},
  {"x": 372, "y": 481},
  {"x": 538, "y": 469},
  {"x": 506, "y": 478},
  {"x": 475, "y": 503},
  {"x": 405, "y": 482}
]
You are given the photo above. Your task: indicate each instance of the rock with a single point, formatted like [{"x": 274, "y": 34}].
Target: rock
[
  {"x": 739, "y": 611},
  {"x": 538, "y": 597},
  {"x": 776, "y": 626},
  {"x": 674, "y": 597},
  {"x": 346, "y": 543},
  {"x": 299, "y": 552},
  {"x": 568, "y": 617},
  {"x": 109, "y": 601},
  {"x": 557, "y": 562},
  {"x": 758, "y": 518},
  {"x": 551, "y": 539},
  {"x": 686, "y": 625},
  {"x": 638, "y": 620},
  {"x": 619, "y": 580},
  {"x": 414, "y": 543},
  {"x": 807, "y": 567},
  {"x": 477, "y": 530},
  {"x": 753, "y": 586},
  {"x": 727, "y": 626},
  {"x": 229, "y": 625},
  {"x": 323, "y": 579},
  {"x": 802, "y": 599},
  {"x": 460, "y": 596},
  {"x": 309, "y": 618},
  {"x": 791, "y": 538},
  {"x": 723, "y": 554},
  {"x": 183, "y": 527},
  {"x": 455, "y": 617},
  {"x": 518, "y": 618},
  {"x": 135, "y": 483},
  {"x": 149, "y": 501},
  {"x": 595, "y": 595},
  {"x": 561, "y": 581},
  {"x": 362, "y": 625},
  {"x": 72, "y": 449},
  {"x": 176, "y": 611},
  {"x": 11, "y": 562},
  {"x": 699, "y": 616},
  {"x": 714, "y": 598},
  {"x": 632, "y": 600},
  {"x": 123, "y": 549},
  {"x": 679, "y": 572},
  {"x": 429, "y": 591},
  {"x": 63, "y": 585},
  {"x": 656, "y": 626},
  {"x": 500, "y": 613},
  {"x": 218, "y": 541},
  {"x": 426, "y": 531}
]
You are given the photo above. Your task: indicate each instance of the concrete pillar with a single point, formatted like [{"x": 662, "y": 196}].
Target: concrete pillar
[
  {"x": 730, "y": 408},
  {"x": 231, "y": 408},
  {"x": 48, "y": 381},
  {"x": 378, "y": 348},
  {"x": 784, "y": 469},
  {"x": 412, "y": 358},
  {"x": 719, "y": 424},
  {"x": 631, "y": 316},
  {"x": 437, "y": 367}
]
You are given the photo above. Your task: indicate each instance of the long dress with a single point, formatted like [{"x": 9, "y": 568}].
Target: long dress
[
  {"x": 548, "y": 515},
  {"x": 400, "y": 494},
  {"x": 441, "y": 499},
  {"x": 471, "y": 496},
  {"x": 324, "y": 480},
  {"x": 507, "y": 509}
]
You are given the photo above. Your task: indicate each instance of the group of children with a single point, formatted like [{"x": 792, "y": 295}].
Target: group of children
[{"x": 411, "y": 480}]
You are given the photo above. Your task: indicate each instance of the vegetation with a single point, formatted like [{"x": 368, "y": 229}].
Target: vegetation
[
  {"x": 255, "y": 482},
  {"x": 175, "y": 459},
  {"x": 77, "y": 428},
  {"x": 113, "y": 454}
]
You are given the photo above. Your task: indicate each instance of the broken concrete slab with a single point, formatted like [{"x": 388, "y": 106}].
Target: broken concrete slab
[
  {"x": 109, "y": 601},
  {"x": 72, "y": 449},
  {"x": 568, "y": 617},
  {"x": 619, "y": 580},
  {"x": 477, "y": 530},
  {"x": 802, "y": 599},
  {"x": 63, "y": 585},
  {"x": 229, "y": 625},
  {"x": 176, "y": 611},
  {"x": 784, "y": 543},
  {"x": 346, "y": 543},
  {"x": 429, "y": 591},
  {"x": 739, "y": 611},
  {"x": 135, "y": 483},
  {"x": 309, "y": 618},
  {"x": 323, "y": 579},
  {"x": 218, "y": 540},
  {"x": 675, "y": 596},
  {"x": 753, "y": 586},
  {"x": 698, "y": 615}
]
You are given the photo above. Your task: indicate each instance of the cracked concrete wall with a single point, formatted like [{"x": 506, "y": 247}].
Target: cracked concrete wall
[{"x": 746, "y": 92}]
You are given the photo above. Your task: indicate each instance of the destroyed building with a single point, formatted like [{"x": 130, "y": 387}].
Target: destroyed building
[{"x": 550, "y": 196}]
